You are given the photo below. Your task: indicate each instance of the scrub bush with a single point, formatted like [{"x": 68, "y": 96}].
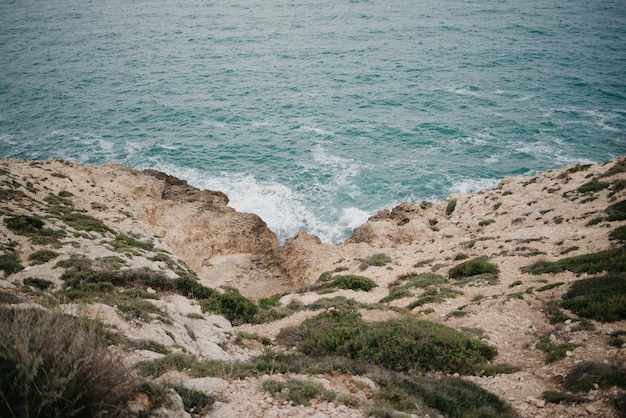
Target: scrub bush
[{"x": 52, "y": 365}]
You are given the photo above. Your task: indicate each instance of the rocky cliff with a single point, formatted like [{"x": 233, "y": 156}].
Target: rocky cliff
[{"x": 172, "y": 269}]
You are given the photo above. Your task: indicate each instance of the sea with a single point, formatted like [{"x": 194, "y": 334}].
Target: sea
[{"x": 315, "y": 114}]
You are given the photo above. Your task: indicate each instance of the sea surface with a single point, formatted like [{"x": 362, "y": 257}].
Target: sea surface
[{"x": 315, "y": 114}]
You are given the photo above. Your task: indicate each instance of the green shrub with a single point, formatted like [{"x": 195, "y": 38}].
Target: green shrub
[
  {"x": 613, "y": 260},
  {"x": 270, "y": 302},
  {"x": 10, "y": 263},
  {"x": 401, "y": 344},
  {"x": 194, "y": 401},
  {"x": 593, "y": 186},
  {"x": 397, "y": 293},
  {"x": 42, "y": 256},
  {"x": 616, "y": 211},
  {"x": 54, "y": 365},
  {"x": 451, "y": 397},
  {"x": 554, "y": 352},
  {"x": 232, "y": 305},
  {"x": 41, "y": 284},
  {"x": 601, "y": 298},
  {"x": 421, "y": 280},
  {"x": 354, "y": 283},
  {"x": 337, "y": 302},
  {"x": 377, "y": 260},
  {"x": 618, "y": 234},
  {"x": 550, "y": 286},
  {"x": 298, "y": 391},
  {"x": 422, "y": 263},
  {"x": 24, "y": 224},
  {"x": 434, "y": 294},
  {"x": 553, "y": 396},
  {"x": 450, "y": 207},
  {"x": 583, "y": 376},
  {"x": 486, "y": 222},
  {"x": 473, "y": 267},
  {"x": 123, "y": 242}
]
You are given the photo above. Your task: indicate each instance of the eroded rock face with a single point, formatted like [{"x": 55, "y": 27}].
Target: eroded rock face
[
  {"x": 299, "y": 255},
  {"x": 403, "y": 224},
  {"x": 198, "y": 224}
]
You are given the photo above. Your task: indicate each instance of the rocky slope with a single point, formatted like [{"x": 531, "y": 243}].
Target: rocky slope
[{"x": 145, "y": 228}]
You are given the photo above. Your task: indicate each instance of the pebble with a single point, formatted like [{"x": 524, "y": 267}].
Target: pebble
[{"x": 592, "y": 410}]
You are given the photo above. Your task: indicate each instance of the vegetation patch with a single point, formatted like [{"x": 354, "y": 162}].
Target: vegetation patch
[
  {"x": 52, "y": 362},
  {"x": 396, "y": 293},
  {"x": 593, "y": 186},
  {"x": 41, "y": 284},
  {"x": 486, "y": 222},
  {"x": 298, "y": 391},
  {"x": 613, "y": 260},
  {"x": 24, "y": 224},
  {"x": 447, "y": 396},
  {"x": 475, "y": 267},
  {"x": 584, "y": 376},
  {"x": 450, "y": 207},
  {"x": 42, "y": 256},
  {"x": 10, "y": 263},
  {"x": 377, "y": 260},
  {"x": 352, "y": 282},
  {"x": 616, "y": 211},
  {"x": 618, "y": 234},
  {"x": 194, "y": 401},
  {"x": 124, "y": 243},
  {"x": 554, "y": 352},
  {"x": 404, "y": 344},
  {"x": 601, "y": 298},
  {"x": 550, "y": 286},
  {"x": 553, "y": 396},
  {"x": 434, "y": 294},
  {"x": 422, "y": 263}
]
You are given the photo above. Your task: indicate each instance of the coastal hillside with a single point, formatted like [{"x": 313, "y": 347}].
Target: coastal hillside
[{"x": 133, "y": 293}]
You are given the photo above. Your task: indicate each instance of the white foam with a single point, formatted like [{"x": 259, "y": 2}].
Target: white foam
[
  {"x": 7, "y": 139},
  {"x": 315, "y": 130},
  {"x": 472, "y": 185},
  {"x": 353, "y": 217}
]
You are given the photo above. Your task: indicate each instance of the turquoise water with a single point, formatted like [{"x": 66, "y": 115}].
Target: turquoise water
[{"x": 316, "y": 113}]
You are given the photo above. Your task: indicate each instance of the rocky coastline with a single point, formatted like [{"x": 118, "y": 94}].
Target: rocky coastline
[{"x": 181, "y": 257}]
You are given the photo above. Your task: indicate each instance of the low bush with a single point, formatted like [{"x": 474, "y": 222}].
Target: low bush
[
  {"x": 352, "y": 282},
  {"x": 434, "y": 294},
  {"x": 298, "y": 391},
  {"x": 554, "y": 352},
  {"x": 232, "y": 305},
  {"x": 553, "y": 396},
  {"x": 10, "y": 263},
  {"x": 583, "y": 376},
  {"x": 41, "y": 284},
  {"x": 448, "y": 396},
  {"x": 396, "y": 293},
  {"x": 194, "y": 401},
  {"x": 24, "y": 224},
  {"x": 593, "y": 186},
  {"x": 601, "y": 298},
  {"x": 42, "y": 256},
  {"x": 486, "y": 222},
  {"x": 404, "y": 344},
  {"x": 52, "y": 365},
  {"x": 618, "y": 234},
  {"x": 474, "y": 267},
  {"x": 124, "y": 242},
  {"x": 450, "y": 207},
  {"x": 377, "y": 260},
  {"x": 612, "y": 260}
]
